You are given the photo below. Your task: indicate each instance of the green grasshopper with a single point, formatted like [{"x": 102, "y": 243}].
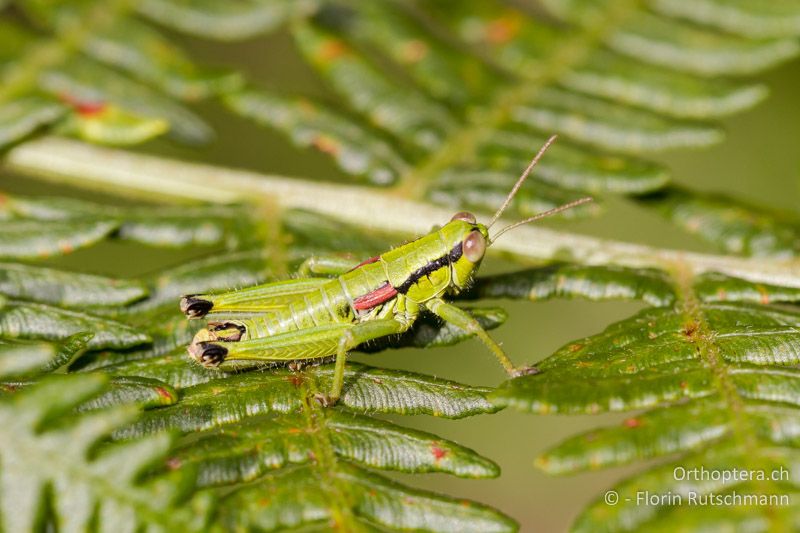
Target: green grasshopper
[{"x": 315, "y": 318}]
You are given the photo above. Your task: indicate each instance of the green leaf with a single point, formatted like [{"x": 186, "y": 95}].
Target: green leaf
[
  {"x": 27, "y": 358},
  {"x": 734, "y": 226},
  {"x": 228, "y": 21},
  {"x": 157, "y": 226},
  {"x": 571, "y": 281},
  {"x": 22, "y": 320},
  {"x": 402, "y": 111},
  {"x": 83, "y": 80},
  {"x": 124, "y": 390},
  {"x": 660, "y": 89},
  {"x": 658, "y": 348},
  {"x": 86, "y": 488},
  {"x": 139, "y": 49},
  {"x": 367, "y": 390},
  {"x": 568, "y": 165},
  {"x": 356, "y": 150},
  {"x": 35, "y": 239},
  {"x": 68, "y": 289},
  {"x": 296, "y": 497},
  {"x": 256, "y": 422},
  {"x": 109, "y": 124},
  {"x": 438, "y": 68},
  {"x": 717, "y": 287},
  {"x": 760, "y": 19},
  {"x": 681, "y": 46},
  {"x": 719, "y": 380},
  {"x": 23, "y": 116},
  {"x": 246, "y": 451},
  {"x": 609, "y": 125}
]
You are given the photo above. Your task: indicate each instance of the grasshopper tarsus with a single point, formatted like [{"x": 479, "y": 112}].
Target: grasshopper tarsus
[
  {"x": 325, "y": 400},
  {"x": 194, "y": 307},
  {"x": 525, "y": 371}
]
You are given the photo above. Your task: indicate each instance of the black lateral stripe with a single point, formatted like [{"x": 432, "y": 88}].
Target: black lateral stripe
[{"x": 436, "y": 264}]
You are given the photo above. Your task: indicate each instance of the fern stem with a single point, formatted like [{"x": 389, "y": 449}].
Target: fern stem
[{"x": 152, "y": 177}]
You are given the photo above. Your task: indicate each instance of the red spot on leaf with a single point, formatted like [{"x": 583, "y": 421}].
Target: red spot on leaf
[
  {"x": 89, "y": 109},
  {"x": 295, "y": 380},
  {"x": 85, "y": 108},
  {"x": 413, "y": 51},
  {"x": 632, "y": 423},
  {"x": 764, "y": 295},
  {"x": 331, "y": 49},
  {"x": 164, "y": 393},
  {"x": 438, "y": 453},
  {"x": 326, "y": 144},
  {"x": 722, "y": 294},
  {"x": 173, "y": 463},
  {"x": 65, "y": 247},
  {"x": 503, "y": 29}
]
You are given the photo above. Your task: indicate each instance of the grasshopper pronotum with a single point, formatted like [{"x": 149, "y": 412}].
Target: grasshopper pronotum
[{"x": 313, "y": 318}]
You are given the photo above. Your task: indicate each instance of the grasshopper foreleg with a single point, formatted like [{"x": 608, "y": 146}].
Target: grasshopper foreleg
[{"x": 460, "y": 318}]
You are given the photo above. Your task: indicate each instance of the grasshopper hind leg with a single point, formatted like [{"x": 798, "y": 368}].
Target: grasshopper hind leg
[{"x": 207, "y": 353}]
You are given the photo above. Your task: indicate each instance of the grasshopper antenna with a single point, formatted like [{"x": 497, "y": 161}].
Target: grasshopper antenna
[
  {"x": 521, "y": 180},
  {"x": 543, "y": 215}
]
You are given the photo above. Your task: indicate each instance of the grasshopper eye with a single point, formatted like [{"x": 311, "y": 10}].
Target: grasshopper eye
[
  {"x": 463, "y": 215},
  {"x": 474, "y": 246}
]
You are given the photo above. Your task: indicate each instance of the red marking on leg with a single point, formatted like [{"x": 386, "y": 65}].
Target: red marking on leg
[
  {"x": 382, "y": 294},
  {"x": 366, "y": 262}
]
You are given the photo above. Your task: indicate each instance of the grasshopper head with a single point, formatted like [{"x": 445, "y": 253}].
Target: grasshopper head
[{"x": 470, "y": 240}]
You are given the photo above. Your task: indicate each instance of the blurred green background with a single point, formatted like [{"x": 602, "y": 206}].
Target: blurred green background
[{"x": 759, "y": 162}]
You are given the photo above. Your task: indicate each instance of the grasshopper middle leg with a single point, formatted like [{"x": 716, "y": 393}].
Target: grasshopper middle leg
[{"x": 359, "y": 334}]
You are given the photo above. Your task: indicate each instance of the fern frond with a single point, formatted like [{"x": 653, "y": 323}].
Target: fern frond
[
  {"x": 102, "y": 488},
  {"x": 444, "y": 102},
  {"x": 713, "y": 362},
  {"x": 137, "y": 337},
  {"x": 482, "y": 83},
  {"x": 732, "y": 225}
]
